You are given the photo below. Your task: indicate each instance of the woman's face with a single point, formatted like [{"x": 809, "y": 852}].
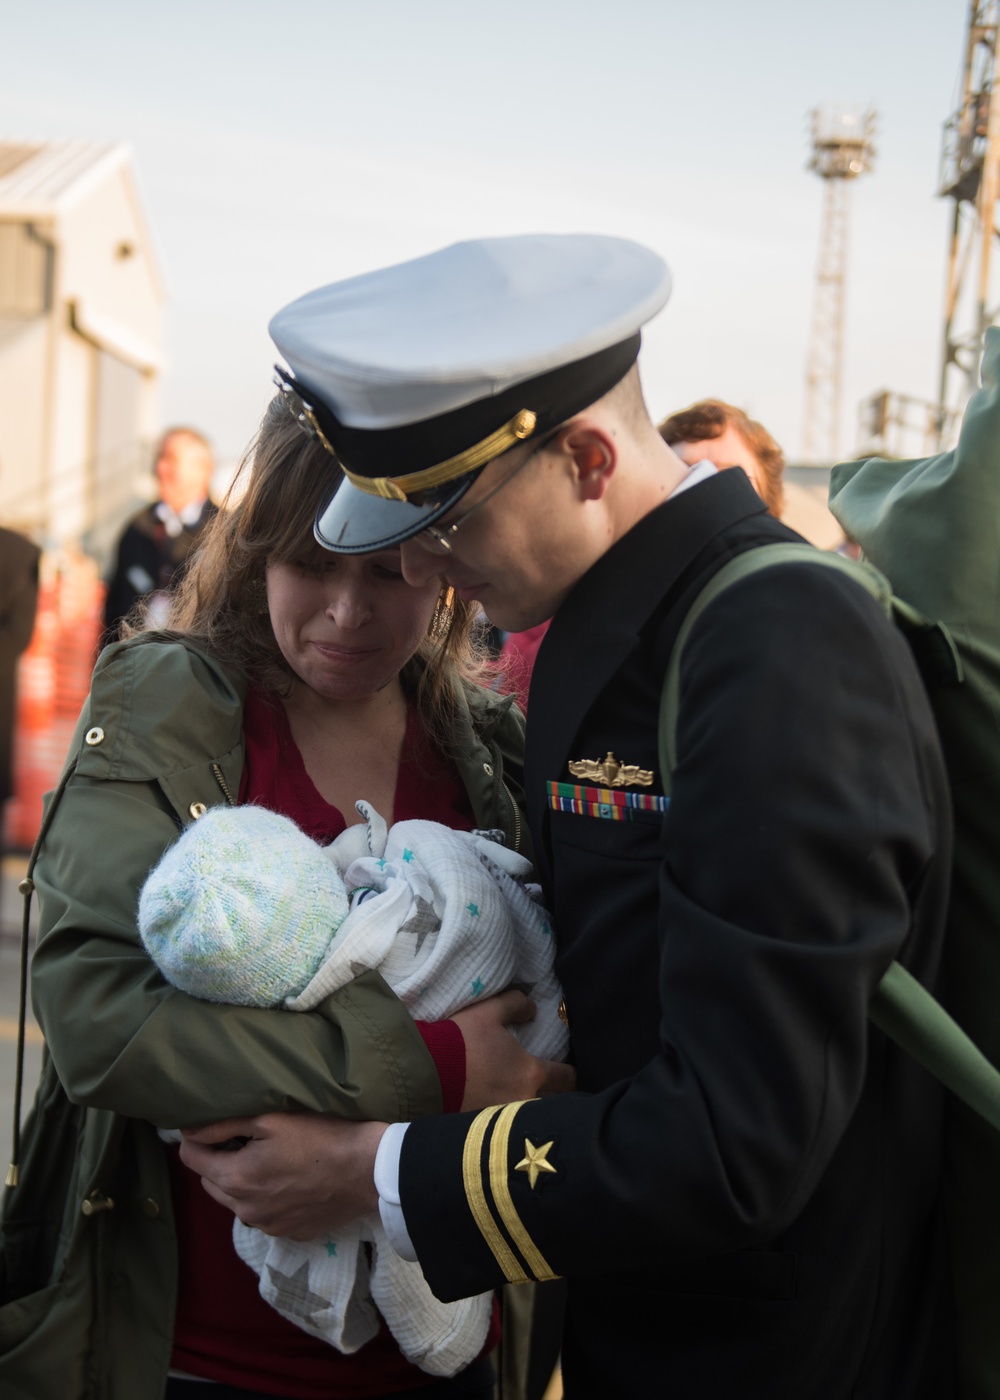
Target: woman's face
[{"x": 347, "y": 624}]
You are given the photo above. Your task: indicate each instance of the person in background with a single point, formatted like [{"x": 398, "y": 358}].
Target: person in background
[
  {"x": 18, "y": 600},
  {"x": 156, "y": 544},
  {"x": 714, "y": 431}
]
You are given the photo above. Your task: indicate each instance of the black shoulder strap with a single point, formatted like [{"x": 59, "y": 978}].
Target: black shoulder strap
[{"x": 26, "y": 889}]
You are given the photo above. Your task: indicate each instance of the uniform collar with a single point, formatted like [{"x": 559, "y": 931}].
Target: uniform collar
[{"x": 599, "y": 624}]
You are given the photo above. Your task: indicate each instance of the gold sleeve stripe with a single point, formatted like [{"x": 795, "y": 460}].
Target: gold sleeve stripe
[
  {"x": 399, "y": 488},
  {"x": 476, "y": 1196},
  {"x": 501, "y": 1195}
]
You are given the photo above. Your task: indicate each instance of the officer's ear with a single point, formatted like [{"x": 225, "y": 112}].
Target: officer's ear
[{"x": 593, "y": 456}]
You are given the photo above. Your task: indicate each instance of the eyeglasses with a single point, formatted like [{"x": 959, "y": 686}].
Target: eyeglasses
[{"x": 439, "y": 541}]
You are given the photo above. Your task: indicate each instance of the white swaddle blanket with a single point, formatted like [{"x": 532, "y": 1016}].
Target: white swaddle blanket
[{"x": 246, "y": 909}]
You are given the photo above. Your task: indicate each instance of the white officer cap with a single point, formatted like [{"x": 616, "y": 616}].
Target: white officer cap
[{"x": 416, "y": 376}]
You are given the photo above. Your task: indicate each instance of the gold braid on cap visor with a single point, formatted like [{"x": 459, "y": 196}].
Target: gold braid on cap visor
[{"x": 399, "y": 488}]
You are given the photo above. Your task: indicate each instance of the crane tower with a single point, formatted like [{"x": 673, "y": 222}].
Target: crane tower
[
  {"x": 843, "y": 149},
  {"x": 970, "y": 176}
]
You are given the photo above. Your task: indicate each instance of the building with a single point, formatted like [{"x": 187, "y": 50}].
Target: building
[{"x": 81, "y": 304}]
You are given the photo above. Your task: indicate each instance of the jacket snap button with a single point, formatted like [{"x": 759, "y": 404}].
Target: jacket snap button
[
  {"x": 488, "y": 769},
  {"x": 197, "y": 809},
  {"x": 96, "y": 1202},
  {"x": 563, "y": 1011},
  {"x": 150, "y": 1208},
  {"x": 94, "y": 736}
]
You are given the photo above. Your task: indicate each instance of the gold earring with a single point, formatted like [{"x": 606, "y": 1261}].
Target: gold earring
[{"x": 444, "y": 613}]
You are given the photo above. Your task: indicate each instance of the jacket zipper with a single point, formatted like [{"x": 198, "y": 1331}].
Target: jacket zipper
[
  {"x": 517, "y": 815},
  {"x": 220, "y": 778},
  {"x": 497, "y": 764}
]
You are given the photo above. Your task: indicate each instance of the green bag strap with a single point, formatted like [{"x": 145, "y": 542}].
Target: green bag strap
[
  {"x": 900, "y": 1007},
  {"x": 907, "y": 1013},
  {"x": 743, "y": 566}
]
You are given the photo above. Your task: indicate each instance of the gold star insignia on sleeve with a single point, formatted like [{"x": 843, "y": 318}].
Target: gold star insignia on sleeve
[{"x": 534, "y": 1161}]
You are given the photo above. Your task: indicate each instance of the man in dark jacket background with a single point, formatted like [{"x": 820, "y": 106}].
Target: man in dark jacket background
[
  {"x": 18, "y": 599},
  {"x": 156, "y": 543}
]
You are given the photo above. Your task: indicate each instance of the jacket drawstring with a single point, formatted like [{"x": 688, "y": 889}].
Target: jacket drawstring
[{"x": 26, "y": 889}]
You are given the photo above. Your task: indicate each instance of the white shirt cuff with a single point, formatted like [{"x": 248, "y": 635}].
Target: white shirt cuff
[{"x": 387, "y": 1186}]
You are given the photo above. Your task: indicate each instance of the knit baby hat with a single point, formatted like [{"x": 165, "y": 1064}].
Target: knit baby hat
[{"x": 242, "y": 908}]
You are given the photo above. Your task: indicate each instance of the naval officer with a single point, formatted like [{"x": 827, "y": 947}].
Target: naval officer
[{"x": 743, "y": 1194}]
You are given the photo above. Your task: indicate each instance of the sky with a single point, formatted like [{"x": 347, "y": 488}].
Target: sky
[{"x": 280, "y": 146}]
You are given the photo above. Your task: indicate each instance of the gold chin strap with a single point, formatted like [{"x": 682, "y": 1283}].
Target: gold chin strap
[{"x": 399, "y": 488}]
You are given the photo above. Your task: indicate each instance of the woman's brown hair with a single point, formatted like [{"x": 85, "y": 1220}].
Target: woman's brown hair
[{"x": 268, "y": 516}]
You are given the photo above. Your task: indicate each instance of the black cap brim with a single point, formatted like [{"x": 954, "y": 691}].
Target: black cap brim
[{"x": 353, "y": 522}]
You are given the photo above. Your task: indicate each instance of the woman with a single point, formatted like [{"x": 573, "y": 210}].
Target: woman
[{"x": 301, "y": 681}]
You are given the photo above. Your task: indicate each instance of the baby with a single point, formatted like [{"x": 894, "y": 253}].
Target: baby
[{"x": 246, "y": 909}]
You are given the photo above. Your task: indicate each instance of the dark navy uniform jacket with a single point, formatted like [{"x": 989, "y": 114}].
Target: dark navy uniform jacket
[
  {"x": 744, "y": 1195},
  {"x": 148, "y": 559}
]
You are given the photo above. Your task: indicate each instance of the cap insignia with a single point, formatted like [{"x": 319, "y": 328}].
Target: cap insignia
[{"x": 303, "y": 412}]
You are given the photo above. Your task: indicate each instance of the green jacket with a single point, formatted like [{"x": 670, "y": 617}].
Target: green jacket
[
  {"x": 933, "y": 528},
  {"x": 89, "y": 1259}
]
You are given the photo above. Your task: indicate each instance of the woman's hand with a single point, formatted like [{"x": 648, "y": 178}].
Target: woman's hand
[
  {"x": 303, "y": 1175},
  {"x": 300, "y": 1175},
  {"x": 498, "y": 1069}
]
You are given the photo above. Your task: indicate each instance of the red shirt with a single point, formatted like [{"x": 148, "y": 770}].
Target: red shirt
[
  {"x": 517, "y": 660},
  {"x": 224, "y": 1331}
]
